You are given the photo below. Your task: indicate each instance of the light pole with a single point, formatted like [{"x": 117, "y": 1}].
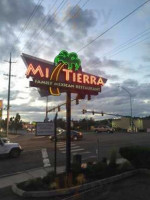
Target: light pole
[{"x": 131, "y": 121}]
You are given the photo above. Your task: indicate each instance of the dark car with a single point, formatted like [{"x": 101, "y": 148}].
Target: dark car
[{"x": 75, "y": 135}]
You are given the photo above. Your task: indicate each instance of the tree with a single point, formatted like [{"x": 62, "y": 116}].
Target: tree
[
  {"x": 15, "y": 122},
  {"x": 3, "y": 123}
]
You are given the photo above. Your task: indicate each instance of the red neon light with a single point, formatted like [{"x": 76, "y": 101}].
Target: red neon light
[
  {"x": 82, "y": 78},
  {"x": 47, "y": 72},
  {"x": 93, "y": 80},
  {"x": 67, "y": 71},
  {"x": 33, "y": 71},
  {"x": 79, "y": 78},
  {"x": 37, "y": 70},
  {"x": 86, "y": 79}
]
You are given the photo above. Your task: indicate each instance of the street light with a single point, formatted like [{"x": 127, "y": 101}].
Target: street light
[{"x": 131, "y": 122}]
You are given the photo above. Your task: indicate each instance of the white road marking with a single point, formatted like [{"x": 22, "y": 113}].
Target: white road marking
[
  {"x": 46, "y": 160},
  {"x": 39, "y": 137},
  {"x": 73, "y": 150},
  {"x": 63, "y": 145},
  {"x": 31, "y": 150},
  {"x": 89, "y": 157},
  {"x": 74, "y": 147},
  {"x": 44, "y": 153},
  {"x": 86, "y": 152}
]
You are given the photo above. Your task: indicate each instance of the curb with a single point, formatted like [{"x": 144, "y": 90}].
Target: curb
[
  {"x": 25, "y": 171},
  {"x": 73, "y": 190},
  {"x": 9, "y": 180}
]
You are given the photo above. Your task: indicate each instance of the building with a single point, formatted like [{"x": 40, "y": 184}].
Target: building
[
  {"x": 124, "y": 123},
  {"x": 28, "y": 126}
]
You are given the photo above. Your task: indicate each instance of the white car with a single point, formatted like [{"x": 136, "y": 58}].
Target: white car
[{"x": 9, "y": 148}]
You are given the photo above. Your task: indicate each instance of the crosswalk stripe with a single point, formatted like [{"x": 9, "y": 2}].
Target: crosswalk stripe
[
  {"x": 75, "y": 147},
  {"x": 89, "y": 157},
  {"x": 61, "y": 143},
  {"x": 73, "y": 150},
  {"x": 65, "y": 145},
  {"x": 85, "y": 152}
]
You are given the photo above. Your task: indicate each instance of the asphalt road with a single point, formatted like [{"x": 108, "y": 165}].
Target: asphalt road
[{"x": 39, "y": 151}]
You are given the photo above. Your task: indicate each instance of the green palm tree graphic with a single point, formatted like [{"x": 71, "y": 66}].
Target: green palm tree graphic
[{"x": 70, "y": 59}]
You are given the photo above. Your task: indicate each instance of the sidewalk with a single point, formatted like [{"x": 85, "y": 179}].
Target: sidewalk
[
  {"x": 19, "y": 177},
  {"x": 9, "y": 180}
]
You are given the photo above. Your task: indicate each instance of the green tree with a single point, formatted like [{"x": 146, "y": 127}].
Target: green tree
[
  {"x": 18, "y": 122},
  {"x": 15, "y": 123},
  {"x": 70, "y": 59},
  {"x": 3, "y": 123}
]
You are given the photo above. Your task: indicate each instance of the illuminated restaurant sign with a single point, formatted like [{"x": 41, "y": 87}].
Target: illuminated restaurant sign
[{"x": 65, "y": 74}]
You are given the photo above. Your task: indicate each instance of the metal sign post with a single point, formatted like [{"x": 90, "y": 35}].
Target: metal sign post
[
  {"x": 68, "y": 136},
  {"x": 55, "y": 147}
]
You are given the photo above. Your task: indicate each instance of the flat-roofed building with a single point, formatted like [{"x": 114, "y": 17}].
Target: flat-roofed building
[{"x": 124, "y": 123}]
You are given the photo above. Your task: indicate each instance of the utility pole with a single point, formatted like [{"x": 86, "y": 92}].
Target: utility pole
[{"x": 8, "y": 97}]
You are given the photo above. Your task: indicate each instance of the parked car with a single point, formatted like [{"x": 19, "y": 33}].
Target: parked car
[
  {"x": 8, "y": 148},
  {"x": 75, "y": 135},
  {"x": 104, "y": 129}
]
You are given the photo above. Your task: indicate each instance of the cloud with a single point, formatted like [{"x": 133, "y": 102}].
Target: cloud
[
  {"x": 147, "y": 76},
  {"x": 13, "y": 17},
  {"x": 130, "y": 83},
  {"x": 13, "y": 95},
  {"x": 146, "y": 59},
  {"x": 80, "y": 20}
]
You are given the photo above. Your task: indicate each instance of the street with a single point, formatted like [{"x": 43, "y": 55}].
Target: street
[{"x": 39, "y": 151}]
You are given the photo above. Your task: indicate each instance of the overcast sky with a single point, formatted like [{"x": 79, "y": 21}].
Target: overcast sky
[{"x": 121, "y": 55}]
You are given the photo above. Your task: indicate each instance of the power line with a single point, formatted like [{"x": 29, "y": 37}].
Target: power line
[
  {"x": 130, "y": 46},
  {"x": 111, "y": 27},
  {"x": 27, "y": 22},
  {"x": 126, "y": 44},
  {"x": 50, "y": 18},
  {"x": 37, "y": 31},
  {"x": 76, "y": 13},
  {"x": 41, "y": 46},
  {"x": 131, "y": 40}
]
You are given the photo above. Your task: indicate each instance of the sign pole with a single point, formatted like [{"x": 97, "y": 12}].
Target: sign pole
[
  {"x": 68, "y": 136},
  {"x": 55, "y": 152}
]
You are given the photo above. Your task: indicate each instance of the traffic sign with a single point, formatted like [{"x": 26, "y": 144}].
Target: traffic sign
[{"x": 44, "y": 128}]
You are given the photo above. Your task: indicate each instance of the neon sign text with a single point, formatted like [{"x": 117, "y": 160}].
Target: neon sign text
[
  {"x": 82, "y": 78},
  {"x": 31, "y": 71}
]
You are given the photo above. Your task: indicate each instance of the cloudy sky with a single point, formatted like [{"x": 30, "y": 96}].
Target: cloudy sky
[{"x": 43, "y": 28}]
